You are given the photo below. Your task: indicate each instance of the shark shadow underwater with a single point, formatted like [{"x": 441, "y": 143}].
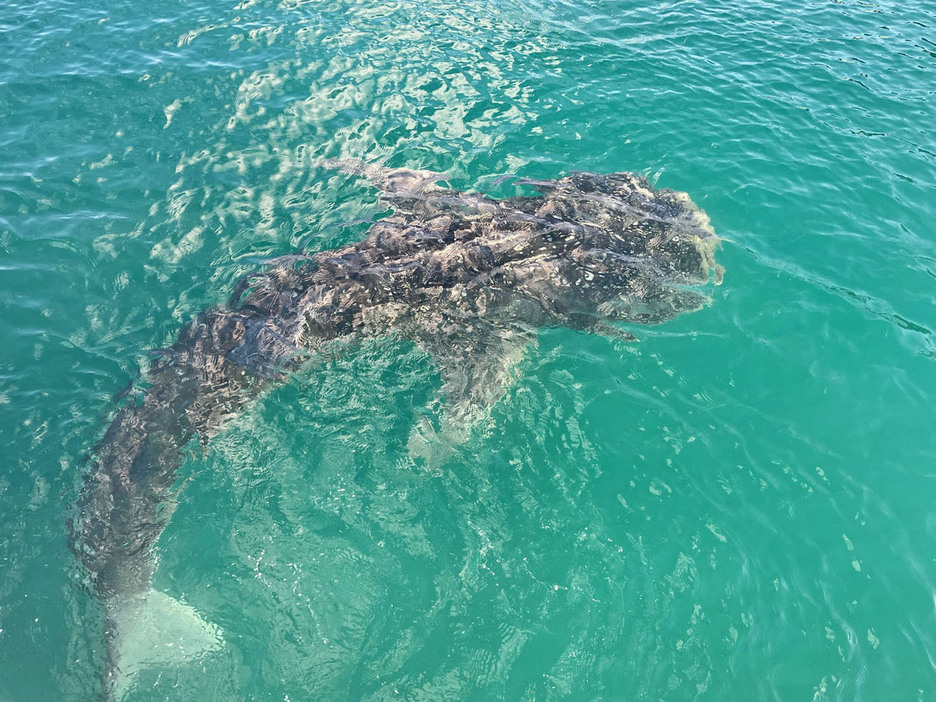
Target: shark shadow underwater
[{"x": 468, "y": 278}]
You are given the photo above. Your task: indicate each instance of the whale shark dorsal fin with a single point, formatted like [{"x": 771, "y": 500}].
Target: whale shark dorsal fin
[
  {"x": 153, "y": 630},
  {"x": 391, "y": 181}
]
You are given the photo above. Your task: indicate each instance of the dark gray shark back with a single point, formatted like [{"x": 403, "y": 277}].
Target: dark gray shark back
[{"x": 468, "y": 278}]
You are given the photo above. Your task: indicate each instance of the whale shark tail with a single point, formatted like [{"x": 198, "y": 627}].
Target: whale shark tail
[{"x": 152, "y": 631}]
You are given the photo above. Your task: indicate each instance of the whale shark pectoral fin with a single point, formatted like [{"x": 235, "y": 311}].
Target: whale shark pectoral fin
[
  {"x": 392, "y": 181},
  {"x": 153, "y": 630},
  {"x": 472, "y": 383},
  {"x": 612, "y": 332},
  {"x": 594, "y": 325},
  {"x": 476, "y": 373}
]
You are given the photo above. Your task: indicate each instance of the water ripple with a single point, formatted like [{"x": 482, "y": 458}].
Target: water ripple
[{"x": 735, "y": 505}]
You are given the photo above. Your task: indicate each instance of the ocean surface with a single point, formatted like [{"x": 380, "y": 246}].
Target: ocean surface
[{"x": 740, "y": 506}]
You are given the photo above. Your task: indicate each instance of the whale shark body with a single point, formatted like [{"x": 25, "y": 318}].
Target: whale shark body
[{"x": 468, "y": 278}]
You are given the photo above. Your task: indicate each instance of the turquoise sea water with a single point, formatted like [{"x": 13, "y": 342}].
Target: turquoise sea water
[{"x": 738, "y": 507}]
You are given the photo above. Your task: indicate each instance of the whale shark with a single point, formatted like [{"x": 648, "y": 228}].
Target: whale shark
[{"x": 466, "y": 277}]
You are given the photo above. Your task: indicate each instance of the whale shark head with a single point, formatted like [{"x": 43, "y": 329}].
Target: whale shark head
[{"x": 630, "y": 252}]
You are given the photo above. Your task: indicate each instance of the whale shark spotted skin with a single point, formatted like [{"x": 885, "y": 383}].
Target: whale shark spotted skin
[{"x": 468, "y": 278}]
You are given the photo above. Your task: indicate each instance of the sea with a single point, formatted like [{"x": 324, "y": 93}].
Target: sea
[{"x": 740, "y": 505}]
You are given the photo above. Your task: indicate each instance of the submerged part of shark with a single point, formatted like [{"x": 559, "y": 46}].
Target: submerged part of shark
[{"x": 468, "y": 278}]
